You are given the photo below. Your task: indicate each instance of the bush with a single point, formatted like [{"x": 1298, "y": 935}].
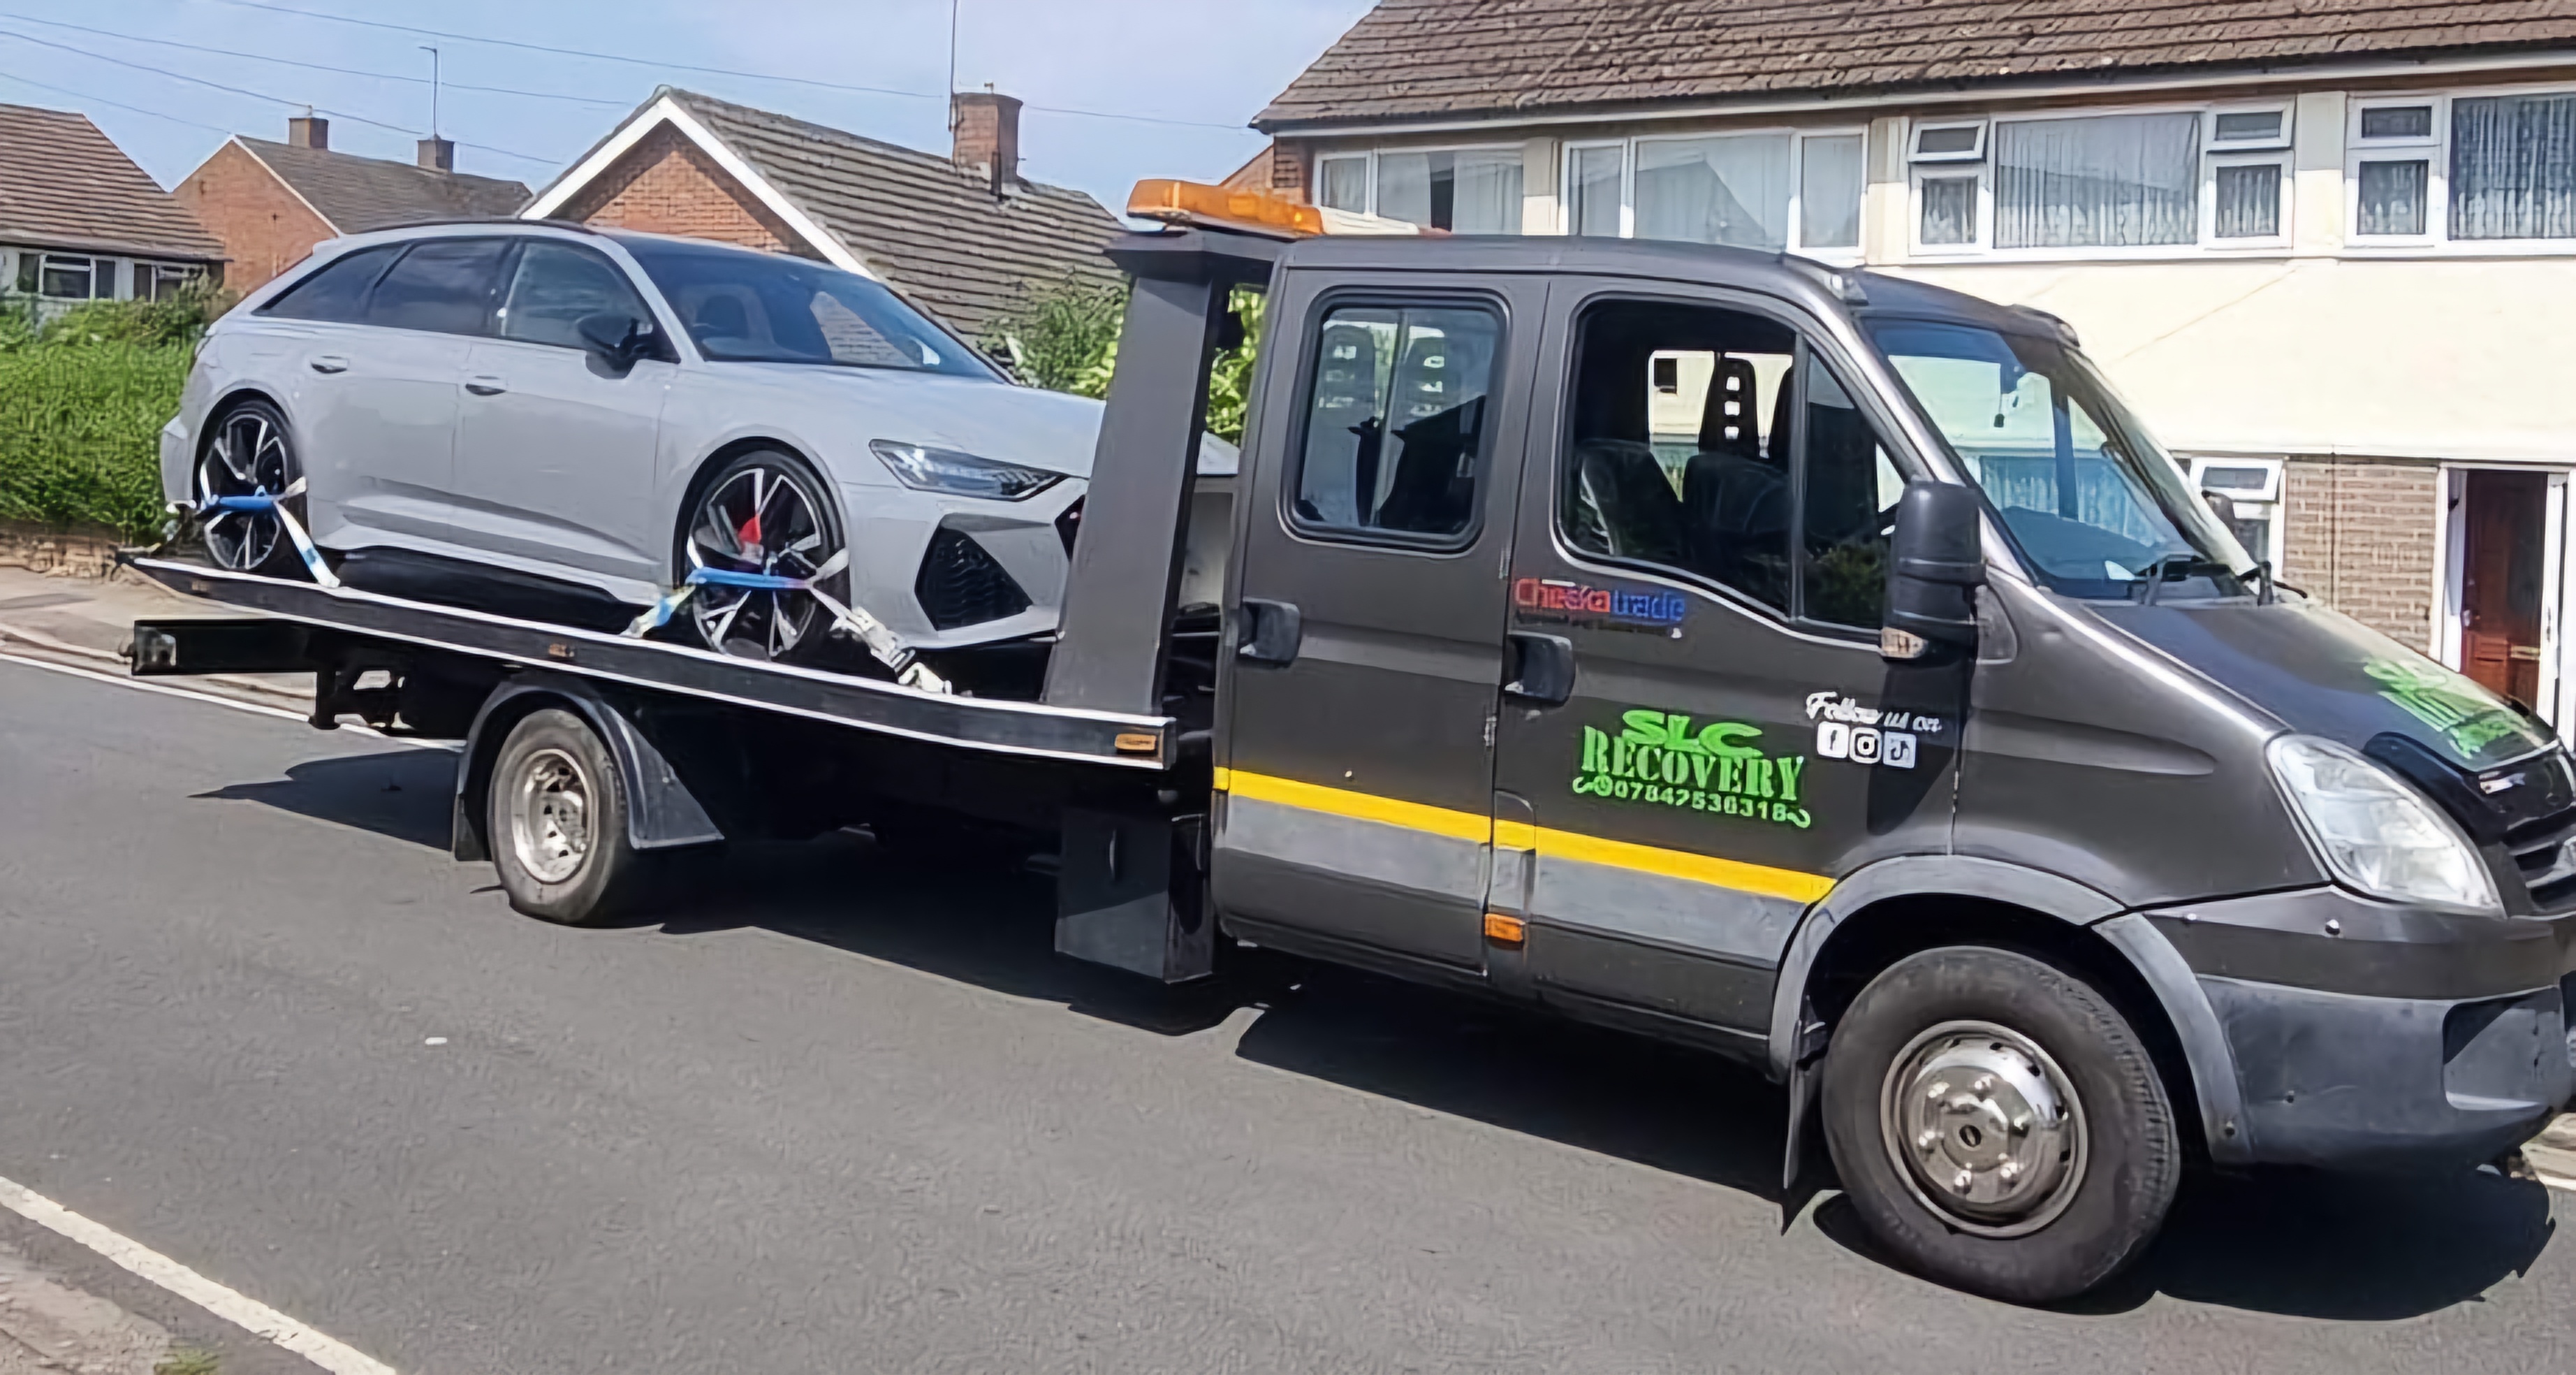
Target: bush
[
  {"x": 83, "y": 398},
  {"x": 1065, "y": 338}
]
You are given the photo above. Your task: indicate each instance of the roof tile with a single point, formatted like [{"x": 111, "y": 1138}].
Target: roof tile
[{"x": 63, "y": 184}]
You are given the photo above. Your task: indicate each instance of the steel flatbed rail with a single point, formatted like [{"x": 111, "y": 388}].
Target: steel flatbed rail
[{"x": 1027, "y": 729}]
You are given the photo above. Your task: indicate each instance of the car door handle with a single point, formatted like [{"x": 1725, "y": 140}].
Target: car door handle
[
  {"x": 1271, "y": 632},
  {"x": 329, "y": 362},
  {"x": 485, "y": 386},
  {"x": 1542, "y": 668}
]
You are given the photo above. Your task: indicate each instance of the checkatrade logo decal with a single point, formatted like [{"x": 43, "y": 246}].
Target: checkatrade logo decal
[
  {"x": 1664, "y": 759},
  {"x": 1654, "y": 609}
]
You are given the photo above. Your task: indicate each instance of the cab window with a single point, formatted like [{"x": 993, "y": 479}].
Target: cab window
[
  {"x": 1396, "y": 422},
  {"x": 1706, "y": 444}
]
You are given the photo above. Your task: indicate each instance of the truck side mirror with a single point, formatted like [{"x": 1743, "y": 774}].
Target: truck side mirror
[{"x": 1940, "y": 560}]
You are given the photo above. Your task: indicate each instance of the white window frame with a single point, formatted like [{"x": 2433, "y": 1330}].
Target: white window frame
[
  {"x": 1373, "y": 154},
  {"x": 2272, "y": 497},
  {"x": 1368, "y": 180},
  {"x": 1923, "y": 167},
  {"x": 45, "y": 263},
  {"x": 2436, "y": 150},
  {"x": 1844, "y": 256}
]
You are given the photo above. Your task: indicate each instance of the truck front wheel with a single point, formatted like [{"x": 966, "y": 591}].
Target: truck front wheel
[
  {"x": 1999, "y": 1125},
  {"x": 557, "y": 822}
]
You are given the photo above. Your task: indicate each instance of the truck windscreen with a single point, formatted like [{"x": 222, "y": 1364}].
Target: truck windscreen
[{"x": 2095, "y": 505}]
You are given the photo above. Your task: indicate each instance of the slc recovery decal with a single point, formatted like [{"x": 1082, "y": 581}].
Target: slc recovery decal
[
  {"x": 1663, "y": 759},
  {"x": 1652, "y": 610}
]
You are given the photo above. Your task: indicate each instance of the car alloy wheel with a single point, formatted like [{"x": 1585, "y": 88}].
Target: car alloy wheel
[
  {"x": 246, "y": 457},
  {"x": 767, "y": 522}
]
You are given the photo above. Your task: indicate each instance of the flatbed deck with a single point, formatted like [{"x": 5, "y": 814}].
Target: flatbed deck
[{"x": 1027, "y": 729}]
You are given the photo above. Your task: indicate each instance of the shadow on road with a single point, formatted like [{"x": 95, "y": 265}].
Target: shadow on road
[{"x": 2280, "y": 1242}]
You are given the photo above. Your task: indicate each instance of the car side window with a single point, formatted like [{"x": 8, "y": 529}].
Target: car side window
[
  {"x": 1397, "y": 415},
  {"x": 441, "y": 285},
  {"x": 1695, "y": 450},
  {"x": 555, "y": 285},
  {"x": 336, "y": 293}
]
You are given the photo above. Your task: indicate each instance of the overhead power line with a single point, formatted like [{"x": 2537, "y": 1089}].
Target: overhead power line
[
  {"x": 255, "y": 95},
  {"x": 659, "y": 64},
  {"x": 310, "y": 66},
  {"x": 87, "y": 98}
]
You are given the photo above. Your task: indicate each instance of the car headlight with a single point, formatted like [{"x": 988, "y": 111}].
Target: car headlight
[
  {"x": 2375, "y": 832},
  {"x": 958, "y": 474}
]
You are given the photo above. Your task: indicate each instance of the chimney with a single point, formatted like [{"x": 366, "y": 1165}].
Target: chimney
[
  {"x": 988, "y": 135},
  {"x": 305, "y": 131},
  {"x": 438, "y": 154}
]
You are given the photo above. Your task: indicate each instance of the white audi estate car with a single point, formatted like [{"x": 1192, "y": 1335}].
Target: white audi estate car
[{"x": 550, "y": 420}]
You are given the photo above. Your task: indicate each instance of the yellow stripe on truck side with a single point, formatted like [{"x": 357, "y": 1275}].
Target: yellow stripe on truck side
[{"x": 1734, "y": 874}]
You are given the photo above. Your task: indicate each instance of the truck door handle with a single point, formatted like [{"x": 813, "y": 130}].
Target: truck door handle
[
  {"x": 485, "y": 386},
  {"x": 1271, "y": 632},
  {"x": 329, "y": 362},
  {"x": 1542, "y": 668}
]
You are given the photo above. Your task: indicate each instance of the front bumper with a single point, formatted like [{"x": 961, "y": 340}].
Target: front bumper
[{"x": 2367, "y": 1035}]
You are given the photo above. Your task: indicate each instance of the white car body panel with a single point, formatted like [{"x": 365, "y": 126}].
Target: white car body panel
[{"x": 542, "y": 460}]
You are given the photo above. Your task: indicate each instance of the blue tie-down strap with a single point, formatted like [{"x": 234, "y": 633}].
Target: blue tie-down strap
[
  {"x": 868, "y": 630},
  {"x": 265, "y": 502}
]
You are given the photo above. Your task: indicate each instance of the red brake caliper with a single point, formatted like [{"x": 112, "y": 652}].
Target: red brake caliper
[{"x": 748, "y": 537}]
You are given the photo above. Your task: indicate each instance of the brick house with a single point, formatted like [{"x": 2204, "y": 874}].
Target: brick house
[
  {"x": 271, "y": 202},
  {"x": 2326, "y": 250},
  {"x": 963, "y": 236},
  {"x": 79, "y": 221}
]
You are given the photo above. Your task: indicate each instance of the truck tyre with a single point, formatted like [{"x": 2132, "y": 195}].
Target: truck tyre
[
  {"x": 1999, "y": 1125},
  {"x": 557, "y": 812}
]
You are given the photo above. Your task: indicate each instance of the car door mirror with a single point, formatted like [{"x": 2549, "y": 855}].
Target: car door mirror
[
  {"x": 1940, "y": 561},
  {"x": 621, "y": 339}
]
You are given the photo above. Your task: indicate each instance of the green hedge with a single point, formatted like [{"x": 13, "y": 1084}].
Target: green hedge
[
  {"x": 82, "y": 402},
  {"x": 80, "y": 427}
]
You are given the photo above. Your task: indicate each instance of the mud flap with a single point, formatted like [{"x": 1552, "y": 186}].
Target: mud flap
[{"x": 1806, "y": 1078}]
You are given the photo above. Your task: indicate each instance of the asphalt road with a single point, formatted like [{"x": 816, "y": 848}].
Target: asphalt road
[{"x": 836, "y": 1112}]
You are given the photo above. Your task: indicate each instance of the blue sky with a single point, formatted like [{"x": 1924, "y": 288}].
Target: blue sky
[{"x": 1194, "y": 69}]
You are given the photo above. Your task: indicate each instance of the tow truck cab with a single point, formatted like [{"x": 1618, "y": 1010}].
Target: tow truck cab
[{"x": 1827, "y": 669}]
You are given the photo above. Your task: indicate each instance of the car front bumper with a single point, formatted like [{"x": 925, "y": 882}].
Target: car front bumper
[{"x": 2368, "y": 1035}]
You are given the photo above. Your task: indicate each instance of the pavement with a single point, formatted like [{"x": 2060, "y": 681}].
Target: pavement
[{"x": 830, "y": 1110}]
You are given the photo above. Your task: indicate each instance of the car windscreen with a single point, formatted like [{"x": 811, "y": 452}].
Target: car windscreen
[
  {"x": 761, "y": 308},
  {"x": 2097, "y": 508}
]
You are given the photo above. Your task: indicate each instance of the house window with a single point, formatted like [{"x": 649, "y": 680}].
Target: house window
[
  {"x": 2513, "y": 167},
  {"x": 62, "y": 277},
  {"x": 161, "y": 281},
  {"x": 1465, "y": 191},
  {"x": 2100, "y": 181},
  {"x": 2246, "y": 494},
  {"x": 1342, "y": 183},
  {"x": 2395, "y": 147},
  {"x": 2248, "y": 182},
  {"x": 1772, "y": 189}
]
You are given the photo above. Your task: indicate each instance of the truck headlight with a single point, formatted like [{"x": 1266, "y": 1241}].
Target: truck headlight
[
  {"x": 2374, "y": 832},
  {"x": 960, "y": 474}
]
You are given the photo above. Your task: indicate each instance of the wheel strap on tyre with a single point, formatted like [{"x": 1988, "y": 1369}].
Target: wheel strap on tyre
[
  {"x": 888, "y": 647},
  {"x": 261, "y": 501}
]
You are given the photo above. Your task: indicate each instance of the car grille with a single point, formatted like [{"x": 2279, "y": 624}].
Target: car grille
[
  {"x": 960, "y": 584},
  {"x": 1069, "y": 525},
  {"x": 2540, "y": 851}
]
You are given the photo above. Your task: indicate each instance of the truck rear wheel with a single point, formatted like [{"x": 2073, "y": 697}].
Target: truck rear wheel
[
  {"x": 1999, "y": 1125},
  {"x": 557, "y": 822}
]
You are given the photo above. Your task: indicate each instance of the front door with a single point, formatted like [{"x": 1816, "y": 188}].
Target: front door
[
  {"x": 1709, "y": 531},
  {"x": 555, "y": 457},
  {"x": 2502, "y": 573},
  {"x": 1368, "y": 609}
]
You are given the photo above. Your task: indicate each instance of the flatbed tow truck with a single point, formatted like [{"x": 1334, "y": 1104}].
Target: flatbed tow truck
[{"x": 1850, "y": 745}]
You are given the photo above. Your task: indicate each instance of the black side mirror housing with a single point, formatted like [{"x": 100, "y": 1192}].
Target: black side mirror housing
[
  {"x": 621, "y": 339},
  {"x": 1940, "y": 559}
]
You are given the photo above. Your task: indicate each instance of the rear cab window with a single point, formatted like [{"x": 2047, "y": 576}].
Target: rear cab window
[{"x": 1397, "y": 422}]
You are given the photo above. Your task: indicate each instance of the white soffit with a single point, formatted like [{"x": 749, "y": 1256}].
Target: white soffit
[{"x": 669, "y": 111}]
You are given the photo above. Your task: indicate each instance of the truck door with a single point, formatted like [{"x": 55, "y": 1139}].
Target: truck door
[
  {"x": 1705, "y": 526},
  {"x": 1366, "y": 616}
]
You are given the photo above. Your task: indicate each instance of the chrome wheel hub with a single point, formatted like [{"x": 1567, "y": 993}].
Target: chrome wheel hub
[
  {"x": 550, "y": 816},
  {"x": 1984, "y": 1127}
]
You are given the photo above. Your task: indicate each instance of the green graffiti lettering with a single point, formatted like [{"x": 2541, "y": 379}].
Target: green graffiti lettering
[
  {"x": 1730, "y": 773},
  {"x": 1676, "y": 767},
  {"x": 1720, "y": 739},
  {"x": 1643, "y": 727},
  {"x": 1791, "y": 765},
  {"x": 1596, "y": 750},
  {"x": 1757, "y": 777},
  {"x": 1700, "y": 765}
]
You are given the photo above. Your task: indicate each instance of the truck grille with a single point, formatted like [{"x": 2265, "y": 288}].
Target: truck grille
[
  {"x": 2548, "y": 869},
  {"x": 960, "y": 584}
]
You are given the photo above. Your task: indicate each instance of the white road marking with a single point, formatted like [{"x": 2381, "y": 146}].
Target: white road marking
[
  {"x": 246, "y": 1313},
  {"x": 236, "y": 704}
]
